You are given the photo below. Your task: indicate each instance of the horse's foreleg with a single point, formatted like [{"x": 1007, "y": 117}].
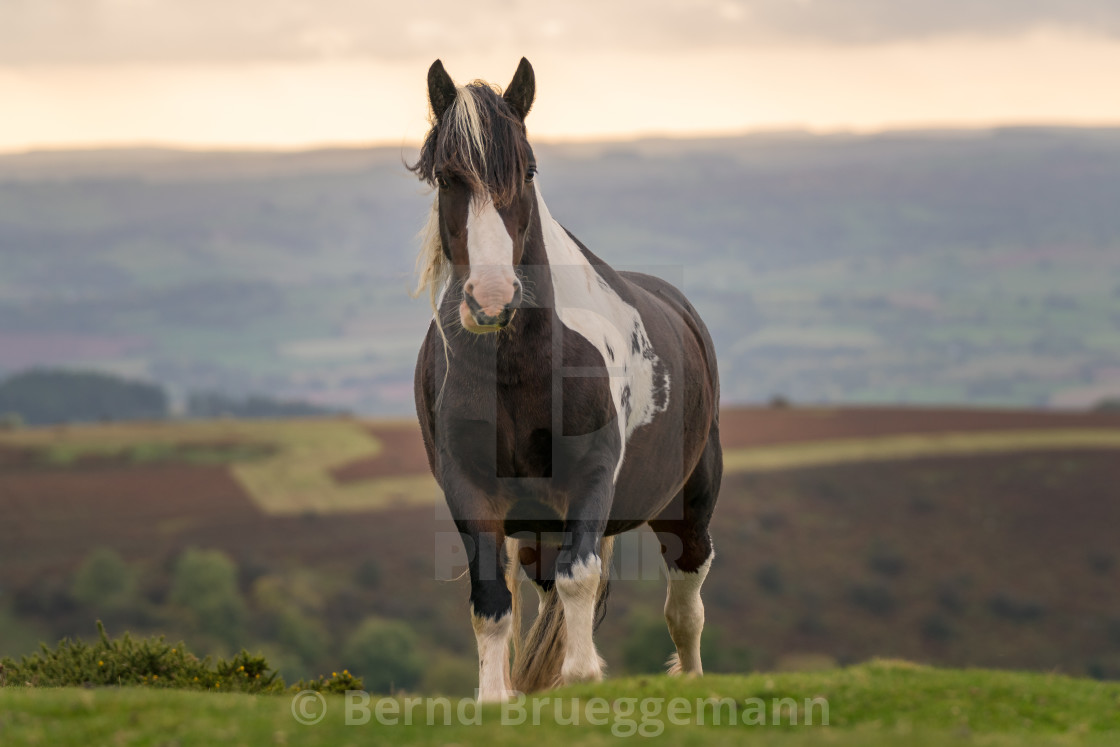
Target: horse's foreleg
[
  {"x": 579, "y": 574},
  {"x": 491, "y": 611}
]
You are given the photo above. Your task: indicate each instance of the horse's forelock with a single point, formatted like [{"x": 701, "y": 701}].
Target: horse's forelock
[{"x": 479, "y": 139}]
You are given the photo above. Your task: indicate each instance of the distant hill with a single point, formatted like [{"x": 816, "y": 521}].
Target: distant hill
[{"x": 921, "y": 267}]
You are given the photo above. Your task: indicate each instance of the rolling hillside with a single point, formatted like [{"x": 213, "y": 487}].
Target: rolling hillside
[
  {"x": 912, "y": 268},
  {"x": 841, "y": 535}
]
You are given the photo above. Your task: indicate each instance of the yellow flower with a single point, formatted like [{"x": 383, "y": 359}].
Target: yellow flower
[
  {"x": 241, "y": 668},
  {"x": 334, "y": 674},
  {"x": 100, "y": 663},
  {"x": 155, "y": 676},
  {"x": 217, "y": 684}
]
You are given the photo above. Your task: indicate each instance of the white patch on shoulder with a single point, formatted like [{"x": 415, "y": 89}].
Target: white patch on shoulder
[{"x": 587, "y": 305}]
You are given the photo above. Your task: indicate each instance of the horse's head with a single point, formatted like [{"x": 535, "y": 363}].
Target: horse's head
[{"x": 479, "y": 159}]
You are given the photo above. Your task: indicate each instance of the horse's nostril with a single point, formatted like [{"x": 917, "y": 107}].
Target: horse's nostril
[{"x": 472, "y": 304}]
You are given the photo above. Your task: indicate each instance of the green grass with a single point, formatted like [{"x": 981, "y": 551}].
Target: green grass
[{"x": 877, "y": 703}]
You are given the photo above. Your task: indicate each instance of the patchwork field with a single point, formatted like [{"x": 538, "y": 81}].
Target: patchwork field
[{"x": 951, "y": 537}]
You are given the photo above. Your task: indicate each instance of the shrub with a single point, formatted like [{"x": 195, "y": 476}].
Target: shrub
[
  {"x": 1014, "y": 609},
  {"x": 873, "y": 597},
  {"x": 720, "y": 655},
  {"x": 1101, "y": 563},
  {"x": 151, "y": 662},
  {"x": 810, "y": 623},
  {"x": 104, "y": 578},
  {"x": 951, "y": 594},
  {"x": 368, "y": 574},
  {"x": 205, "y": 584},
  {"x": 936, "y": 627},
  {"x": 386, "y": 653},
  {"x": 448, "y": 674},
  {"x": 885, "y": 560},
  {"x": 338, "y": 683},
  {"x": 46, "y": 597},
  {"x": 769, "y": 579},
  {"x": 1112, "y": 627},
  {"x": 648, "y": 645},
  {"x": 770, "y": 521},
  {"x": 301, "y": 636}
]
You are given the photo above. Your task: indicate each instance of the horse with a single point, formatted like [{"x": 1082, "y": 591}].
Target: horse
[{"x": 561, "y": 402}]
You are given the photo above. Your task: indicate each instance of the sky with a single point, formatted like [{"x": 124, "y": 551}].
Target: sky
[{"x": 300, "y": 73}]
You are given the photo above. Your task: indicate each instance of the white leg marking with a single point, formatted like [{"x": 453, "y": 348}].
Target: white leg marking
[
  {"x": 578, "y": 593},
  {"x": 492, "y": 637},
  {"x": 684, "y": 612}
]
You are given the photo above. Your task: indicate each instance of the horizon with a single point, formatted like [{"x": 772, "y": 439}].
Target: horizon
[{"x": 932, "y": 130}]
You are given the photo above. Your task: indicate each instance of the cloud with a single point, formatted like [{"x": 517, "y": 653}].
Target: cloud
[
  {"x": 223, "y": 31},
  {"x": 861, "y": 21}
]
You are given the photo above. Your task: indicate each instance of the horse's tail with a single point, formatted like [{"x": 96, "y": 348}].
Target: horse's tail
[{"x": 538, "y": 658}]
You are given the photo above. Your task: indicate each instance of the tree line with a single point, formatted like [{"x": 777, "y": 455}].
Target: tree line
[{"x": 57, "y": 396}]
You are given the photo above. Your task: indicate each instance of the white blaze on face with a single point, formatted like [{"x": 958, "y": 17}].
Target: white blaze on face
[{"x": 490, "y": 248}]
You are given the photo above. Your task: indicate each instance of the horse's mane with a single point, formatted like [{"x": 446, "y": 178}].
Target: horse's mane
[{"x": 480, "y": 140}]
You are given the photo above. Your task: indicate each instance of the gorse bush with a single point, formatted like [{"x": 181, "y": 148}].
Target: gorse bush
[{"x": 152, "y": 662}]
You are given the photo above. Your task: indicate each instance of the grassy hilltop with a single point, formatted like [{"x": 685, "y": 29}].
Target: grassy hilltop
[{"x": 882, "y": 702}]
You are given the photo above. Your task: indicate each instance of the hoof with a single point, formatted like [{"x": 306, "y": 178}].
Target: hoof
[
  {"x": 497, "y": 696},
  {"x": 571, "y": 675},
  {"x": 676, "y": 670}
]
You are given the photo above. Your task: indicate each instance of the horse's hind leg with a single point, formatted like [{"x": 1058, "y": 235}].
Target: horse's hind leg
[{"x": 686, "y": 548}]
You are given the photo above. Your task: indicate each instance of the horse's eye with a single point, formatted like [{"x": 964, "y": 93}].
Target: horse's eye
[
  {"x": 530, "y": 174},
  {"x": 441, "y": 181}
]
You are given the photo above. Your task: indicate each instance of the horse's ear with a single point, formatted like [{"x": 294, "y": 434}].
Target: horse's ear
[
  {"x": 441, "y": 89},
  {"x": 521, "y": 90}
]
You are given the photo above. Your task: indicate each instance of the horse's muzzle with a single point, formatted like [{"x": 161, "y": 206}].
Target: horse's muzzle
[{"x": 491, "y": 318}]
